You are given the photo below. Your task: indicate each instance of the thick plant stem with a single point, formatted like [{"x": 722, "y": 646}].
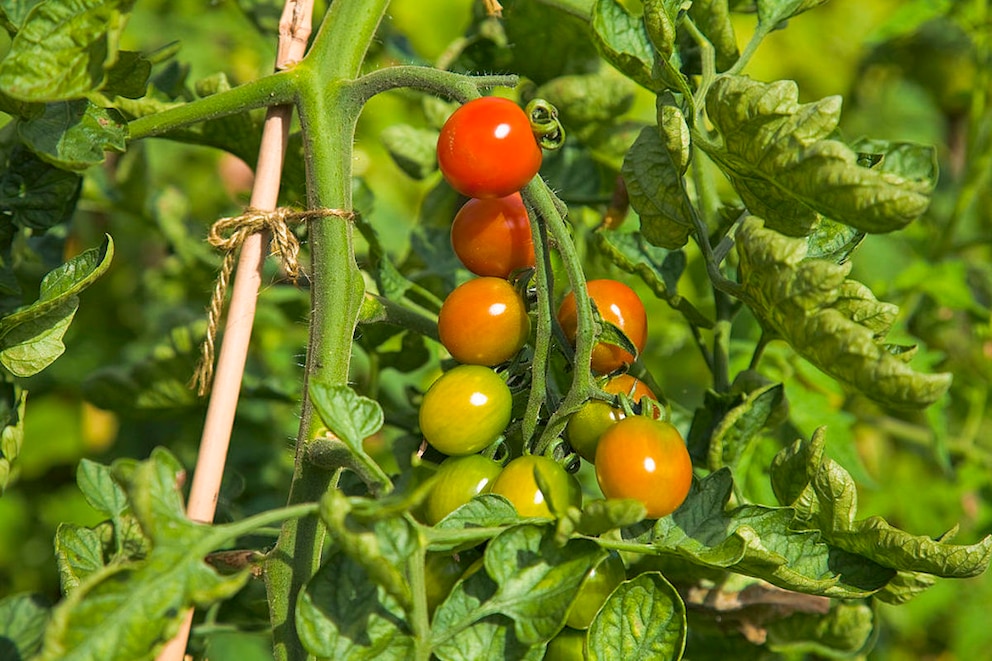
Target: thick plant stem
[{"x": 328, "y": 120}]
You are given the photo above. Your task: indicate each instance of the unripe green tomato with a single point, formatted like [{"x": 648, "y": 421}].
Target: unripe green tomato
[
  {"x": 568, "y": 645},
  {"x": 597, "y": 586},
  {"x": 465, "y": 410},
  {"x": 517, "y": 484},
  {"x": 456, "y": 482},
  {"x": 441, "y": 571},
  {"x": 590, "y": 422}
]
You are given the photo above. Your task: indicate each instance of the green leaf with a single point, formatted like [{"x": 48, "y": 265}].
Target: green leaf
[
  {"x": 644, "y": 618},
  {"x": 778, "y": 155},
  {"x": 834, "y": 323},
  {"x": 343, "y": 614},
  {"x": 74, "y": 135},
  {"x": 537, "y": 579},
  {"x": 712, "y": 17},
  {"x": 834, "y": 242},
  {"x": 465, "y": 628},
  {"x": 622, "y": 40},
  {"x": 350, "y": 416},
  {"x": 758, "y": 541},
  {"x": 63, "y": 49},
  {"x": 600, "y": 516},
  {"x": 35, "y": 194},
  {"x": 413, "y": 150},
  {"x": 22, "y": 622},
  {"x": 653, "y": 173},
  {"x": 539, "y": 53},
  {"x": 79, "y": 553},
  {"x": 660, "y": 18},
  {"x": 589, "y": 98},
  {"x": 12, "y": 404},
  {"x": 483, "y": 511},
  {"x": 741, "y": 424},
  {"x": 31, "y": 337},
  {"x": 827, "y": 496},
  {"x": 128, "y": 77},
  {"x": 100, "y": 489},
  {"x": 773, "y": 12},
  {"x": 846, "y": 631},
  {"x": 126, "y": 610},
  {"x": 13, "y": 12}
]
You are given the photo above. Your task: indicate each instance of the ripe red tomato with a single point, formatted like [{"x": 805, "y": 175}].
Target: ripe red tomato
[
  {"x": 487, "y": 148},
  {"x": 595, "y": 589},
  {"x": 596, "y": 416},
  {"x": 465, "y": 410},
  {"x": 483, "y": 322},
  {"x": 517, "y": 484},
  {"x": 492, "y": 236},
  {"x": 456, "y": 482},
  {"x": 646, "y": 460},
  {"x": 619, "y": 305}
]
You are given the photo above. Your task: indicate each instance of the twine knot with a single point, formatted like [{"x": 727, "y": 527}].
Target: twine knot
[{"x": 228, "y": 234}]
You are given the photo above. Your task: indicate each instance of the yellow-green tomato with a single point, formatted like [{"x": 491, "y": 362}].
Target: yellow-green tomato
[
  {"x": 456, "y": 482},
  {"x": 590, "y": 422},
  {"x": 441, "y": 571},
  {"x": 517, "y": 484},
  {"x": 465, "y": 410},
  {"x": 568, "y": 645},
  {"x": 597, "y": 586}
]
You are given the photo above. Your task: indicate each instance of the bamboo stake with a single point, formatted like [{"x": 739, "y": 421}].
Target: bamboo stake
[{"x": 294, "y": 31}]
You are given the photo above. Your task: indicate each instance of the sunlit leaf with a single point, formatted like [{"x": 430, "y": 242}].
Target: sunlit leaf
[
  {"x": 644, "y": 618},
  {"x": 22, "y": 622},
  {"x": 623, "y": 41}
]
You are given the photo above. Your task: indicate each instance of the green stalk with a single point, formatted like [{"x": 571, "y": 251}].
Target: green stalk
[{"x": 328, "y": 119}]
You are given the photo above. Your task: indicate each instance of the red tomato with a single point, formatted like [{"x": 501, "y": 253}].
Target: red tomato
[
  {"x": 483, "y": 322},
  {"x": 646, "y": 460},
  {"x": 619, "y": 305},
  {"x": 492, "y": 236},
  {"x": 596, "y": 416},
  {"x": 487, "y": 148}
]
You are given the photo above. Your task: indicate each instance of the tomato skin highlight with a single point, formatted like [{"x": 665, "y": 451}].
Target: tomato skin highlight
[
  {"x": 465, "y": 410},
  {"x": 517, "y": 484},
  {"x": 456, "y": 482},
  {"x": 646, "y": 460},
  {"x": 588, "y": 423},
  {"x": 493, "y": 237},
  {"x": 487, "y": 148},
  {"x": 619, "y": 305},
  {"x": 483, "y": 322}
]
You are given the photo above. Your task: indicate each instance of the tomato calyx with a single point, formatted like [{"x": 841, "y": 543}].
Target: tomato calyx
[{"x": 544, "y": 123}]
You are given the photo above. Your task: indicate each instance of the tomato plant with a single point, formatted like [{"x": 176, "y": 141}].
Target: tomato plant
[
  {"x": 516, "y": 483},
  {"x": 492, "y": 237},
  {"x": 596, "y": 416},
  {"x": 618, "y": 305},
  {"x": 568, "y": 645},
  {"x": 596, "y": 587},
  {"x": 465, "y": 410},
  {"x": 487, "y": 148},
  {"x": 457, "y": 481},
  {"x": 646, "y": 460},
  {"x": 483, "y": 322}
]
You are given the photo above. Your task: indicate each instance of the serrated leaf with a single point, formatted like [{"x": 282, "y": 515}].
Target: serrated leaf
[
  {"x": 11, "y": 428},
  {"x": 78, "y": 552},
  {"x": 589, "y": 98},
  {"x": 653, "y": 175},
  {"x": 741, "y": 424},
  {"x": 74, "y": 135},
  {"x": 63, "y": 49},
  {"x": 99, "y": 488},
  {"x": 537, "y": 579},
  {"x": 35, "y": 194},
  {"x": 622, "y": 40},
  {"x": 31, "y": 337},
  {"x": 13, "y": 12},
  {"x": 827, "y": 497},
  {"x": 643, "y": 618},
  {"x": 127, "y": 610},
  {"x": 344, "y": 615},
  {"x": 773, "y": 12},
  {"x": 22, "y": 622},
  {"x": 778, "y": 155},
  {"x": 413, "y": 150},
  {"x": 832, "y": 322},
  {"x": 759, "y": 541},
  {"x": 466, "y": 629},
  {"x": 350, "y": 416}
]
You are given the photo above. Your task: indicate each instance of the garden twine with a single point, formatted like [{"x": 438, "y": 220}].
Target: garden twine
[{"x": 228, "y": 234}]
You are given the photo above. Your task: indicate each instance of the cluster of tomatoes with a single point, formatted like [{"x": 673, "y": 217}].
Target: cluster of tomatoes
[{"x": 487, "y": 151}]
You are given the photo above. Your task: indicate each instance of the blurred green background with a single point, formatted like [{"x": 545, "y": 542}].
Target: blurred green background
[{"x": 119, "y": 389}]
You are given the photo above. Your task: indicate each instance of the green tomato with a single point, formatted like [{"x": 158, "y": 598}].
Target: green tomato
[
  {"x": 441, "y": 572},
  {"x": 465, "y": 410},
  {"x": 456, "y": 482},
  {"x": 597, "y": 586},
  {"x": 568, "y": 645},
  {"x": 517, "y": 484}
]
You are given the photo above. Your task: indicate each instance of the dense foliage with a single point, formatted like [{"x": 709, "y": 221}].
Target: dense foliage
[{"x": 794, "y": 192}]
